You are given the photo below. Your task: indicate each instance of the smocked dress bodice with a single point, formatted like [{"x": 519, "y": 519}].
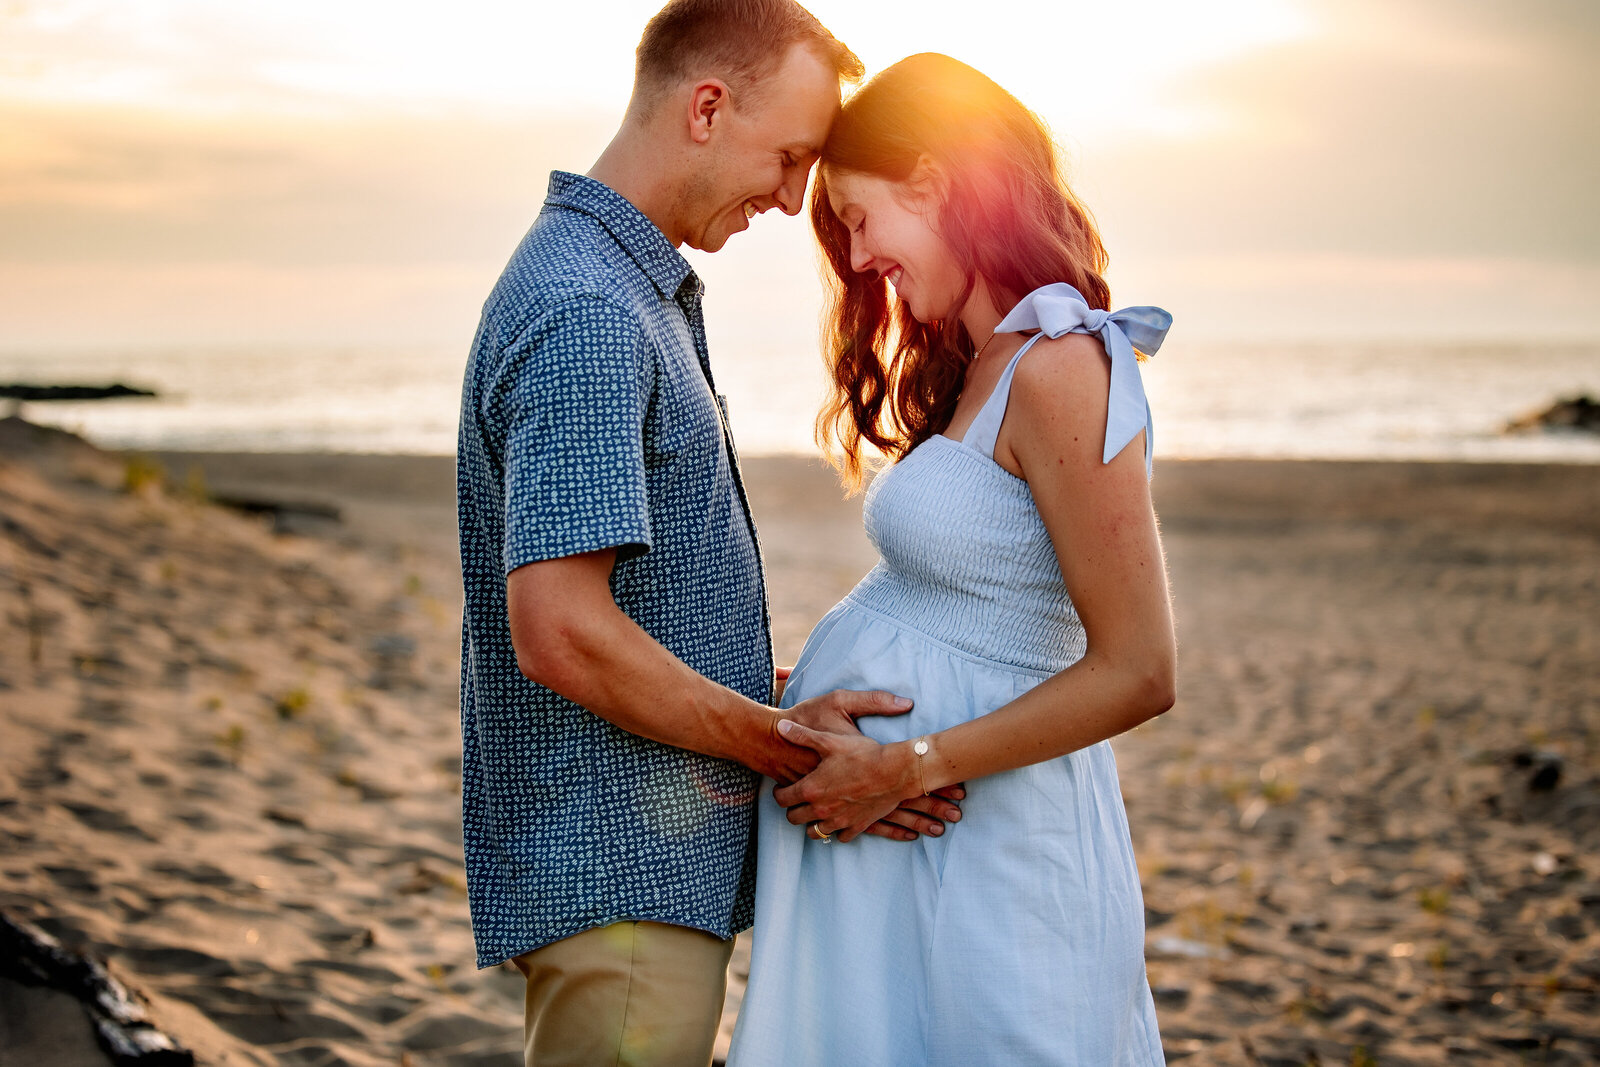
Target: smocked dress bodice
[{"x": 964, "y": 556}]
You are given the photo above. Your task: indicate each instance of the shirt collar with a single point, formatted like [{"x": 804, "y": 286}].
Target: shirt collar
[{"x": 642, "y": 239}]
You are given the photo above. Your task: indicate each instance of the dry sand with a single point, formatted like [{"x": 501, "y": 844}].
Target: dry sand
[{"x": 230, "y": 754}]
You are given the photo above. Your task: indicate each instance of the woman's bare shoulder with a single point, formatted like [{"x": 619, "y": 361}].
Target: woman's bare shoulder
[{"x": 1061, "y": 376}]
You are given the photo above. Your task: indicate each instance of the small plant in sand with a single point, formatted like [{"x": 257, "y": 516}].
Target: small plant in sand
[
  {"x": 141, "y": 474},
  {"x": 232, "y": 742},
  {"x": 1360, "y": 1058},
  {"x": 1439, "y": 956},
  {"x": 1279, "y": 790},
  {"x": 1205, "y": 920},
  {"x": 212, "y": 703},
  {"x": 1311, "y": 1005},
  {"x": 1433, "y": 899},
  {"x": 293, "y": 704}
]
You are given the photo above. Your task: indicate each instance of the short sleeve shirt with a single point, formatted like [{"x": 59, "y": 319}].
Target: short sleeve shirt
[{"x": 589, "y": 420}]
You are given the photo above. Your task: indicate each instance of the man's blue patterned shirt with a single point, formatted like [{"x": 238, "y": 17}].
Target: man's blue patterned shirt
[{"x": 589, "y": 420}]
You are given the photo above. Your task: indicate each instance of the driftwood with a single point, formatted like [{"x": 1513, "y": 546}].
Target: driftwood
[
  {"x": 70, "y": 392},
  {"x": 1572, "y": 413},
  {"x": 121, "y": 1024}
]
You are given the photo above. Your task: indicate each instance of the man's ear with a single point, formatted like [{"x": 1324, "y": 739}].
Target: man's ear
[{"x": 708, "y": 104}]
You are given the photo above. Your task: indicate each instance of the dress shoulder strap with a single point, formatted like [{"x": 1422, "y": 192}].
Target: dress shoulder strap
[
  {"x": 985, "y": 429},
  {"x": 1058, "y": 309}
]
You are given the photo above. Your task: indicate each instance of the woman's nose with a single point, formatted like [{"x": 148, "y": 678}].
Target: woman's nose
[{"x": 859, "y": 256}]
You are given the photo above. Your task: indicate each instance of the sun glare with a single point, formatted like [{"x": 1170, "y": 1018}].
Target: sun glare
[{"x": 1085, "y": 66}]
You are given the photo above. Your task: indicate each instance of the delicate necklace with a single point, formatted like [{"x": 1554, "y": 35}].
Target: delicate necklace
[{"x": 979, "y": 354}]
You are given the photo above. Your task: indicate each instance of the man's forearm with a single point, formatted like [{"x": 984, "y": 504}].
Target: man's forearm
[{"x": 596, "y": 656}]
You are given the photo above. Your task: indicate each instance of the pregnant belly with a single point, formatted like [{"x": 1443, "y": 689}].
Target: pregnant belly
[{"x": 852, "y": 648}]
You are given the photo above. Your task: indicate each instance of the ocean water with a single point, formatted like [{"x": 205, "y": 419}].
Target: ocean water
[{"x": 1326, "y": 400}]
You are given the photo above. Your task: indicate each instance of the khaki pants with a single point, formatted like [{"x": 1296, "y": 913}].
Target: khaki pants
[{"x": 633, "y": 994}]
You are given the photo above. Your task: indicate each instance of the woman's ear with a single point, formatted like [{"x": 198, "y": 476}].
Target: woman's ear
[{"x": 927, "y": 181}]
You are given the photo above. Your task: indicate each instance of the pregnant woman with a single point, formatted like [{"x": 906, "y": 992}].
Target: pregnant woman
[{"x": 1021, "y": 599}]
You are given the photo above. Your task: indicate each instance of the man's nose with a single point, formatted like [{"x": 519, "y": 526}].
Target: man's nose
[{"x": 791, "y": 195}]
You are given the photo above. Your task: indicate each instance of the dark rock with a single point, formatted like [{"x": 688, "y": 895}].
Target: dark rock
[
  {"x": 33, "y": 393},
  {"x": 1569, "y": 413},
  {"x": 1544, "y": 767},
  {"x": 1546, "y": 774}
]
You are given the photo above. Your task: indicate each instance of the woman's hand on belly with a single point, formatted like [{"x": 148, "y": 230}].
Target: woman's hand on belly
[{"x": 861, "y": 786}]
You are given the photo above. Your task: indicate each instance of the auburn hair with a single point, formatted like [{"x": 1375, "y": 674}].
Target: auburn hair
[{"x": 1006, "y": 215}]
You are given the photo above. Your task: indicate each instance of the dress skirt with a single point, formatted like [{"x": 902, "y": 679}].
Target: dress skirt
[{"x": 1017, "y": 937}]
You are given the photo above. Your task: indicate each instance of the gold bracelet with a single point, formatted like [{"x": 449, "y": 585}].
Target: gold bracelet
[{"x": 920, "y": 747}]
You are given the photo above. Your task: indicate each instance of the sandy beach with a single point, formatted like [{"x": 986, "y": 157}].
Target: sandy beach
[{"x": 1369, "y": 831}]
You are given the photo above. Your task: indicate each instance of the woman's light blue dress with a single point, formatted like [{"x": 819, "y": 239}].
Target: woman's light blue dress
[{"x": 1018, "y": 936}]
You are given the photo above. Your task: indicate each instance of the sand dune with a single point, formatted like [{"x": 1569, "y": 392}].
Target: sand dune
[{"x": 1368, "y": 830}]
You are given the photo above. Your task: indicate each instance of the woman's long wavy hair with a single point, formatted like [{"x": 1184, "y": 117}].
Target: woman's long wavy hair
[{"x": 1006, "y": 215}]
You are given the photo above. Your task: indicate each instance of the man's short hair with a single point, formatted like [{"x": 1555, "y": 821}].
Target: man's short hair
[{"x": 739, "y": 41}]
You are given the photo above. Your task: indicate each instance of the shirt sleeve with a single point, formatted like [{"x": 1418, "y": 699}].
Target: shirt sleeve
[{"x": 573, "y": 392}]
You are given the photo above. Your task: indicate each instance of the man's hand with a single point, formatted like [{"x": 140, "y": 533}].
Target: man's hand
[
  {"x": 784, "y": 761},
  {"x": 836, "y": 712}
]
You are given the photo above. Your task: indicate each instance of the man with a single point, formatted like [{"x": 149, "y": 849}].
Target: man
[{"x": 616, "y": 654}]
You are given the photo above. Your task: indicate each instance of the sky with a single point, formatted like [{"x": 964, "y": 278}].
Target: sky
[{"x": 204, "y": 172}]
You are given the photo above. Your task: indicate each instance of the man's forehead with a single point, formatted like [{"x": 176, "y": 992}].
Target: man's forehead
[
  {"x": 804, "y": 85},
  {"x": 800, "y": 127},
  {"x": 802, "y": 148}
]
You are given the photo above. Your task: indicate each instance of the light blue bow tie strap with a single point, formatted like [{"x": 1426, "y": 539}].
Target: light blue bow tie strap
[{"x": 1059, "y": 309}]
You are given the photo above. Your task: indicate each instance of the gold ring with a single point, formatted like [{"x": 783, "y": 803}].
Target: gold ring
[{"x": 817, "y": 826}]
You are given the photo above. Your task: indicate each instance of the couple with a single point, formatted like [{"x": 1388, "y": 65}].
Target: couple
[{"x": 617, "y": 666}]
